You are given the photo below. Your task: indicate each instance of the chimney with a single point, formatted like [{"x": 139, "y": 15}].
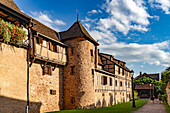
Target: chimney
[{"x": 140, "y": 73}]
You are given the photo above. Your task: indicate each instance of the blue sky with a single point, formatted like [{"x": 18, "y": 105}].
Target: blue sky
[{"x": 135, "y": 31}]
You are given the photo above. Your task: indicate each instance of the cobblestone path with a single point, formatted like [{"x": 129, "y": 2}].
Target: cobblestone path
[{"x": 152, "y": 108}]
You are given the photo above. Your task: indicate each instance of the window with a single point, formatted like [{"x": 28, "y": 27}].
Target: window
[
  {"x": 128, "y": 84},
  {"x": 92, "y": 71},
  {"x": 115, "y": 82},
  {"x": 110, "y": 81},
  {"x": 91, "y": 51},
  {"x": 120, "y": 83},
  {"x": 50, "y": 46},
  {"x": 72, "y": 50},
  {"x": 72, "y": 70},
  {"x": 122, "y": 71},
  {"x": 72, "y": 100},
  {"x": 104, "y": 80},
  {"x": 39, "y": 40},
  {"x": 47, "y": 70},
  {"x": 119, "y": 70},
  {"x": 53, "y": 92}
]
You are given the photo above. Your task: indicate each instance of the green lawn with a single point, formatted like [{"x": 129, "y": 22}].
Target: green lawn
[
  {"x": 118, "y": 108},
  {"x": 167, "y": 107}
]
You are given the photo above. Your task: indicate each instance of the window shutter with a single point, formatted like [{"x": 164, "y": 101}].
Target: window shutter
[
  {"x": 50, "y": 70},
  {"x": 51, "y": 46},
  {"x": 102, "y": 80},
  {"x": 40, "y": 40},
  {"x": 57, "y": 48}
]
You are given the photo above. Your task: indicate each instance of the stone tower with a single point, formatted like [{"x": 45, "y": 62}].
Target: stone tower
[{"x": 79, "y": 73}]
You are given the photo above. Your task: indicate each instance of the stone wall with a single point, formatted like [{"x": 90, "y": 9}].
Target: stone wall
[
  {"x": 79, "y": 87},
  {"x": 168, "y": 93},
  {"x": 13, "y": 79},
  {"x": 40, "y": 86},
  {"x": 13, "y": 85}
]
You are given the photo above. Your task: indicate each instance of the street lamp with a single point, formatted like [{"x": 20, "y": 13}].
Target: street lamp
[{"x": 133, "y": 103}]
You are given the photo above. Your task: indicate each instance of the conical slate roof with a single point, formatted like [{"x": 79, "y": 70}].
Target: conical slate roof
[{"x": 77, "y": 30}]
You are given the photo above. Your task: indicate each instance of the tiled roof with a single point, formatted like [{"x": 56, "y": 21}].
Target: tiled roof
[
  {"x": 99, "y": 60},
  {"x": 155, "y": 76},
  {"x": 77, "y": 30},
  {"x": 11, "y": 4},
  {"x": 39, "y": 27},
  {"x": 144, "y": 86},
  {"x": 152, "y": 76}
]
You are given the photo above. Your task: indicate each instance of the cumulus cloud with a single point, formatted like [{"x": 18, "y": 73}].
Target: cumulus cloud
[
  {"x": 94, "y": 11},
  {"x": 161, "y": 4},
  {"x": 59, "y": 22},
  {"x": 125, "y": 15},
  {"x": 45, "y": 18},
  {"x": 133, "y": 52}
]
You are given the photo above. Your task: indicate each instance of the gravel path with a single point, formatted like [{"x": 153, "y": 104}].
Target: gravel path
[{"x": 152, "y": 108}]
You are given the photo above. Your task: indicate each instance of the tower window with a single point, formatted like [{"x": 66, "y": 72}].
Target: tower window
[
  {"x": 92, "y": 71},
  {"x": 53, "y": 92},
  {"x": 72, "y": 50},
  {"x": 72, "y": 69},
  {"x": 72, "y": 100},
  {"x": 91, "y": 51}
]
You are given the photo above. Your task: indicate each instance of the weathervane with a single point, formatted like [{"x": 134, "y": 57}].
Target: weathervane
[{"x": 77, "y": 15}]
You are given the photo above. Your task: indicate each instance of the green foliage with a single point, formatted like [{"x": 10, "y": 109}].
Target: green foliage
[
  {"x": 164, "y": 97},
  {"x": 118, "y": 108},
  {"x": 165, "y": 77},
  {"x": 167, "y": 107},
  {"x": 11, "y": 33},
  {"x": 136, "y": 95},
  {"x": 146, "y": 80}
]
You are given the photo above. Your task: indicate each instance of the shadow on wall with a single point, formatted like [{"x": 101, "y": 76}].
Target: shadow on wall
[
  {"x": 103, "y": 102},
  {"x": 11, "y": 105},
  {"x": 111, "y": 100}
]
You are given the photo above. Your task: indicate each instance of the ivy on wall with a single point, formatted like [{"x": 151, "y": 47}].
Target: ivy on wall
[{"x": 11, "y": 33}]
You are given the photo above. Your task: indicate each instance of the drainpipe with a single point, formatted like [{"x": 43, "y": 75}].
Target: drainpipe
[{"x": 28, "y": 63}]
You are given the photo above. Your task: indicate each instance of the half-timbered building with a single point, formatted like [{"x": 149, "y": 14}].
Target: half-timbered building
[{"x": 40, "y": 73}]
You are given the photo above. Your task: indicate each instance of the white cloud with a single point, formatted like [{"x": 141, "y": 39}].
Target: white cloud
[
  {"x": 59, "y": 22},
  {"x": 161, "y": 4},
  {"x": 125, "y": 15},
  {"x": 45, "y": 18},
  {"x": 142, "y": 66},
  {"x": 94, "y": 11},
  {"x": 133, "y": 52}
]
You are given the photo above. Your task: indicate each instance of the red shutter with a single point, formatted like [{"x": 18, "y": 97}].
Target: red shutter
[
  {"x": 40, "y": 40},
  {"x": 50, "y": 70}
]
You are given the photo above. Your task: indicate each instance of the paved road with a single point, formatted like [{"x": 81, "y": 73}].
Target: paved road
[{"x": 152, "y": 108}]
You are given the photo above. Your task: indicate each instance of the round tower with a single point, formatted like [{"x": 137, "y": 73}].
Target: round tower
[{"x": 79, "y": 73}]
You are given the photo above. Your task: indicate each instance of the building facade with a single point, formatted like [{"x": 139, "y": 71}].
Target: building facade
[{"x": 45, "y": 74}]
